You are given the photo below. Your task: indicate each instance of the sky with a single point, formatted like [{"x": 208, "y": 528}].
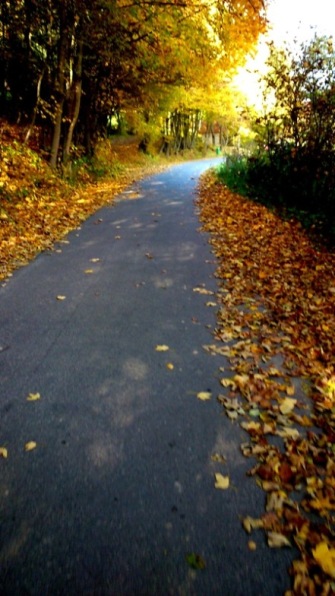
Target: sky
[
  {"x": 289, "y": 19},
  {"x": 296, "y": 17}
]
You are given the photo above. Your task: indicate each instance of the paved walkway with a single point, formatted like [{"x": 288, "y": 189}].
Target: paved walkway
[{"x": 120, "y": 486}]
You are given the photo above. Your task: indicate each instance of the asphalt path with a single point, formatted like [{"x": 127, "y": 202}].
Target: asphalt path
[{"x": 119, "y": 489}]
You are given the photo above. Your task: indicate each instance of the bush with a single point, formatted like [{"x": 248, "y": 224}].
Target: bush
[{"x": 290, "y": 181}]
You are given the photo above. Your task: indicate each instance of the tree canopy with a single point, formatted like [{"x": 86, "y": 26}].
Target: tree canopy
[{"x": 72, "y": 64}]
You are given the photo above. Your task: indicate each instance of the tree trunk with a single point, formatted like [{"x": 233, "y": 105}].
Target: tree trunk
[
  {"x": 76, "y": 94},
  {"x": 38, "y": 99},
  {"x": 65, "y": 29}
]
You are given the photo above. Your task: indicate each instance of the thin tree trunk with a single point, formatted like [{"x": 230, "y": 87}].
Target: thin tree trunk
[
  {"x": 38, "y": 99},
  {"x": 76, "y": 91},
  {"x": 60, "y": 85}
]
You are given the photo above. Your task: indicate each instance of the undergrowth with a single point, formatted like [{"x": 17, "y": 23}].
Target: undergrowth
[{"x": 289, "y": 184}]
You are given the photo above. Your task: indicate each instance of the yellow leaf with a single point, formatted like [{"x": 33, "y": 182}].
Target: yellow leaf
[
  {"x": 33, "y": 397},
  {"x": 60, "y": 297},
  {"x": 322, "y": 503},
  {"x": 203, "y": 291},
  {"x": 221, "y": 481},
  {"x": 204, "y": 395},
  {"x": 277, "y": 540},
  {"x": 288, "y": 433},
  {"x": 227, "y": 383},
  {"x": 3, "y": 452},
  {"x": 162, "y": 348},
  {"x": 30, "y": 446},
  {"x": 250, "y": 523},
  {"x": 170, "y": 366},
  {"x": 210, "y": 303},
  {"x": 88, "y": 271},
  {"x": 325, "y": 557},
  {"x": 290, "y": 390},
  {"x": 287, "y": 405},
  {"x": 252, "y": 545},
  {"x": 250, "y": 426},
  {"x": 94, "y": 260},
  {"x": 241, "y": 380}
]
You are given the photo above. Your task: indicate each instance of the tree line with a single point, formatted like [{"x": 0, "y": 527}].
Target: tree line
[
  {"x": 69, "y": 66},
  {"x": 293, "y": 165}
]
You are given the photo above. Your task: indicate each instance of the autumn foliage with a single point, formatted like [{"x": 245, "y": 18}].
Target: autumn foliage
[
  {"x": 276, "y": 327},
  {"x": 74, "y": 67},
  {"x": 37, "y": 207}
]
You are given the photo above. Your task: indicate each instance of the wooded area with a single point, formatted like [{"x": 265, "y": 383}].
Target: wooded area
[{"x": 74, "y": 67}]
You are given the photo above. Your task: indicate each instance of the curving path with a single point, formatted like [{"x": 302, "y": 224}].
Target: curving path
[{"x": 120, "y": 487}]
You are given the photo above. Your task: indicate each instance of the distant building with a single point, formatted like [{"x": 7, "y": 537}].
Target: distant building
[{"x": 211, "y": 133}]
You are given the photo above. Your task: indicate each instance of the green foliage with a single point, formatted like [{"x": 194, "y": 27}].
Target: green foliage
[
  {"x": 287, "y": 182},
  {"x": 234, "y": 173},
  {"x": 92, "y": 168},
  {"x": 294, "y": 167}
]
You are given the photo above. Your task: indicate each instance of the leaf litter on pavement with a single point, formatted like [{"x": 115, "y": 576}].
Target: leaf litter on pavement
[
  {"x": 276, "y": 328},
  {"x": 38, "y": 207}
]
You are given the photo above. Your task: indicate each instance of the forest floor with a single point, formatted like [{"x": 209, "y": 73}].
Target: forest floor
[
  {"x": 38, "y": 207},
  {"x": 287, "y": 286}
]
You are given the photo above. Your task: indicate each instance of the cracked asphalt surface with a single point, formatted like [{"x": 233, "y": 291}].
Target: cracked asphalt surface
[{"x": 120, "y": 486}]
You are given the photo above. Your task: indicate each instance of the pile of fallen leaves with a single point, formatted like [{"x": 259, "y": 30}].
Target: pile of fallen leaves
[
  {"x": 38, "y": 207},
  {"x": 276, "y": 327}
]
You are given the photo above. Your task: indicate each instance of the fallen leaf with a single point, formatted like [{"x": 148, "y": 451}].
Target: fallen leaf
[
  {"x": 232, "y": 414},
  {"x": 203, "y": 291},
  {"x": 195, "y": 561},
  {"x": 88, "y": 271},
  {"x": 95, "y": 260},
  {"x": 252, "y": 545},
  {"x": 277, "y": 540},
  {"x": 288, "y": 433},
  {"x": 226, "y": 382},
  {"x": 250, "y": 426},
  {"x": 170, "y": 366},
  {"x": 290, "y": 390},
  {"x": 275, "y": 500},
  {"x": 59, "y": 297},
  {"x": 221, "y": 482},
  {"x": 162, "y": 348},
  {"x": 3, "y": 452},
  {"x": 325, "y": 557},
  {"x": 204, "y": 395},
  {"x": 211, "y": 304},
  {"x": 30, "y": 446},
  {"x": 33, "y": 397},
  {"x": 218, "y": 457},
  {"x": 287, "y": 405},
  {"x": 250, "y": 523}
]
